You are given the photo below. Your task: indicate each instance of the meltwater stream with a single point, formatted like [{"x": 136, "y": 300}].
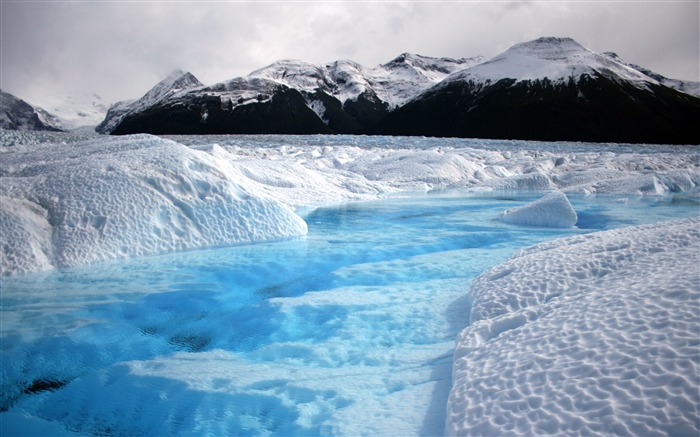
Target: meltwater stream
[{"x": 348, "y": 331}]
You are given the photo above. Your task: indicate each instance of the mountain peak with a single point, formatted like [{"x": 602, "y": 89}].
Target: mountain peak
[
  {"x": 176, "y": 81},
  {"x": 550, "y": 49},
  {"x": 174, "y": 75},
  {"x": 414, "y": 60},
  {"x": 556, "y": 59},
  {"x": 552, "y": 41},
  {"x": 403, "y": 57}
]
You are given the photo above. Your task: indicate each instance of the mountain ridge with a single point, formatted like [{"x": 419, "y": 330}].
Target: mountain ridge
[
  {"x": 17, "y": 114},
  {"x": 549, "y": 88},
  {"x": 346, "y": 96}
]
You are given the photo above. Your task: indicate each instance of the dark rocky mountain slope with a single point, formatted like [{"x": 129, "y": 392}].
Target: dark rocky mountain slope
[
  {"x": 16, "y": 114},
  {"x": 551, "y": 89},
  {"x": 547, "y": 89}
]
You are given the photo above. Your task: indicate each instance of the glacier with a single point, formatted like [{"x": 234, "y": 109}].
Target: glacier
[
  {"x": 593, "y": 333},
  {"x": 137, "y": 196},
  {"x": 101, "y": 198}
]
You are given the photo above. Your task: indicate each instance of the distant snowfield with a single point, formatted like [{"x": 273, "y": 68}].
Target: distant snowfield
[{"x": 592, "y": 334}]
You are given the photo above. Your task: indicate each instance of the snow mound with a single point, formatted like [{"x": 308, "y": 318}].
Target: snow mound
[
  {"x": 593, "y": 334},
  {"x": 553, "y": 210},
  {"x": 123, "y": 197}
]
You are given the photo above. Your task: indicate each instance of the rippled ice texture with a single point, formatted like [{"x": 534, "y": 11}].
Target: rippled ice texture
[
  {"x": 588, "y": 335},
  {"x": 351, "y": 329}
]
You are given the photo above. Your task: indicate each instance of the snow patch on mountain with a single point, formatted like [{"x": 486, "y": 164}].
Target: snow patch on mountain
[
  {"x": 242, "y": 91},
  {"x": 406, "y": 76},
  {"x": 300, "y": 75},
  {"x": 320, "y": 109}
]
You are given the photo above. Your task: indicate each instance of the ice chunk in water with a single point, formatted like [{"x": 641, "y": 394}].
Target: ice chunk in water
[{"x": 553, "y": 210}]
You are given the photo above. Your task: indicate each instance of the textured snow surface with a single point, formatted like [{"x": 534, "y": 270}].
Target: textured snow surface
[
  {"x": 587, "y": 335},
  {"x": 553, "y": 210},
  {"x": 592, "y": 334},
  {"x": 140, "y": 195},
  {"x": 75, "y": 199}
]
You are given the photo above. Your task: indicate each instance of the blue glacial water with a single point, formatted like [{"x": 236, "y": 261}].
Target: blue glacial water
[{"x": 348, "y": 331}]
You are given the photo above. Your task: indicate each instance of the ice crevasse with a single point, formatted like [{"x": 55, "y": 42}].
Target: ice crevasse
[{"x": 134, "y": 196}]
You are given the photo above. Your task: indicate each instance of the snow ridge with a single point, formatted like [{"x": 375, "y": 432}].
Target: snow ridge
[
  {"x": 366, "y": 96},
  {"x": 688, "y": 87},
  {"x": 131, "y": 196}
]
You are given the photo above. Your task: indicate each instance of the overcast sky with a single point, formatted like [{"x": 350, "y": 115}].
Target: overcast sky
[{"x": 120, "y": 49}]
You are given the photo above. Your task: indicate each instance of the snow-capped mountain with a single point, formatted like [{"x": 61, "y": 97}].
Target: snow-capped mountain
[
  {"x": 344, "y": 96},
  {"x": 176, "y": 82},
  {"x": 395, "y": 82},
  {"x": 684, "y": 86},
  {"x": 550, "y": 89},
  {"x": 16, "y": 114},
  {"x": 557, "y": 59},
  {"x": 242, "y": 105},
  {"x": 546, "y": 89}
]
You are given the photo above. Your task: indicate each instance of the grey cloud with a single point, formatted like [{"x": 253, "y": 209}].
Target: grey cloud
[{"x": 119, "y": 50}]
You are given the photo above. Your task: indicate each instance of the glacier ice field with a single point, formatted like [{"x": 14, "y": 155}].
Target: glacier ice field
[
  {"x": 323, "y": 285},
  {"x": 348, "y": 331}
]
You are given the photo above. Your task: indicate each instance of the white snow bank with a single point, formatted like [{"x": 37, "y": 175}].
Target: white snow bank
[
  {"x": 130, "y": 196},
  {"x": 587, "y": 335},
  {"x": 553, "y": 210}
]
